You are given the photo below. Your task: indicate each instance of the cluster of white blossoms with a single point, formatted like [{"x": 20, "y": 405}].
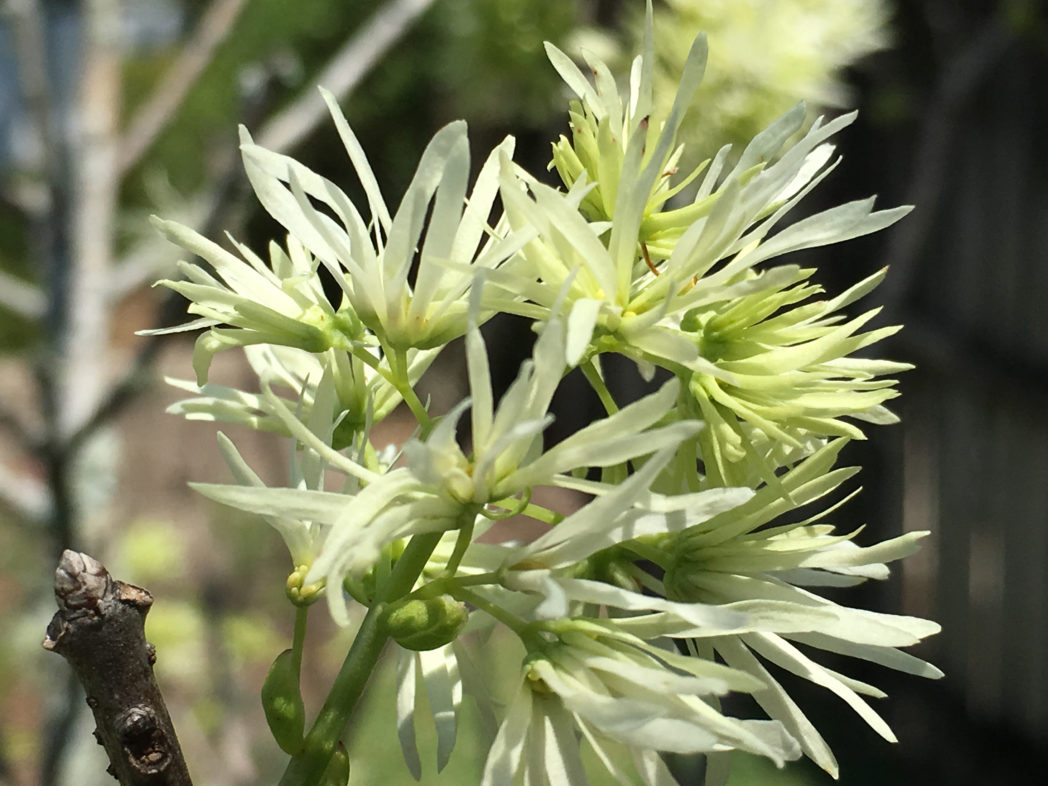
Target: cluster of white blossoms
[{"x": 686, "y": 575}]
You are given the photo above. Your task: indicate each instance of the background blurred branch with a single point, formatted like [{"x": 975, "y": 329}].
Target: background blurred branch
[
  {"x": 31, "y": 55},
  {"x": 26, "y": 496},
  {"x": 342, "y": 73},
  {"x": 281, "y": 132},
  {"x": 22, "y": 298},
  {"x": 14, "y": 424},
  {"x": 96, "y": 185},
  {"x": 170, "y": 92},
  {"x": 221, "y": 200}
]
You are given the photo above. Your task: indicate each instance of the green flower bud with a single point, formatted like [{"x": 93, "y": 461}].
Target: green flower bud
[
  {"x": 345, "y": 432},
  {"x": 299, "y": 593},
  {"x": 282, "y": 703},
  {"x": 427, "y": 624}
]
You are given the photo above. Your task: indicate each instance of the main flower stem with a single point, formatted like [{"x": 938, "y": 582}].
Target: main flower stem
[{"x": 306, "y": 768}]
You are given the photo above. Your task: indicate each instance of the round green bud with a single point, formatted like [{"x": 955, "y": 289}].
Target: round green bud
[{"x": 427, "y": 624}]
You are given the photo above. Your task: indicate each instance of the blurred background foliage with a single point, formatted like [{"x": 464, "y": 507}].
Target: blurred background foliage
[{"x": 922, "y": 72}]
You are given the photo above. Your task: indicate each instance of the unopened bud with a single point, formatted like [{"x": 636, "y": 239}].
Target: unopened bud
[{"x": 427, "y": 624}]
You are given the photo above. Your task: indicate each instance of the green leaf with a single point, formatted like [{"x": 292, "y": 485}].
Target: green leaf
[{"x": 282, "y": 704}]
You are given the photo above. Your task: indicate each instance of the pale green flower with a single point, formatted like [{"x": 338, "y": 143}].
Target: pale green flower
[
  {"x": 731, "y": 582},
  {"x": 440, "y": 488},
  {"x": 281, "y": 302},
  {"x": 633, "y": 267},
  {"x": 589, "y": 560},
  {"x": 587, "y": 679},
  {"x": 303, "y": 533},
  {"x": 607, "y": 126},
  {"x": 449, "y": 489},
  {"x": 787, "y": 376},
  {"x": 620, "y": 513},
  {"x": 411, "y": 291}
]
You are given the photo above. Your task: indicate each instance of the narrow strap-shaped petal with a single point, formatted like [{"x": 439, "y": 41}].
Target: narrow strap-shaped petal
[
  {"x": 444, "y": 691},
  {"x": 407, "y": 671},
  {"x": 774, "y": 700},
  {"x": 785, "y": 655},
  {"x": 360, "y": 161},
  {"x": 508, "y": 749}
]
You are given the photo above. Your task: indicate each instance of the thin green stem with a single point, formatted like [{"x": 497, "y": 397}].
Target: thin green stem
[
  {"x": 398, "y": 364},
  {"x": 465, "y": 537},
  {"x": 617, "y": 473},
  {"x": 507, "y": 510},
  {"x": 371, "y": 361},
  {"x": 299, "y": 637},
  {"x": 306, "y": 768},
  {"x": 397, "y": 376},
  {"x": 541, "y": 513},
  {"x": 596, "y": 381},
  {"x": 511, "y": 621},
  {"x": 449, "y": 585},
  {"x": 409, "y": 566}
]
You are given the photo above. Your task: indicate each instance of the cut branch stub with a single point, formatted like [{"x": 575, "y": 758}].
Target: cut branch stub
[{"x": 99, "y": 630}]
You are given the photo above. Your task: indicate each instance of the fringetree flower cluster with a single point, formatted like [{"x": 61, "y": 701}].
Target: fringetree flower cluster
[{"x": 688, "y": 573}]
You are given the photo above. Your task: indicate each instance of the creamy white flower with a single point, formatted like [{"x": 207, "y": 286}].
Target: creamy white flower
[
  {"x": 617, "y": 690},
  {"x": 507, "y": 456},
  {"x": 372, "y": 263},
  {"x": 742, "y": 558}
]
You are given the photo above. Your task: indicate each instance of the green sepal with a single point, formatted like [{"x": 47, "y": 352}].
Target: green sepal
[{"x": 282, "y": 703}]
